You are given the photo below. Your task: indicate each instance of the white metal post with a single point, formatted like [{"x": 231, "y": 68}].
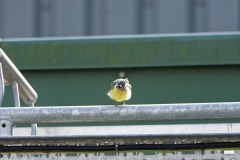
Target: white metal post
[{"x": 15, "y": 94}]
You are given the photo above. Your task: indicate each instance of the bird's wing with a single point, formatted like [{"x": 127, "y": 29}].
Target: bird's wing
[
  {"x": 129, "y": 85},
  {"x": 126, "y": 80}
]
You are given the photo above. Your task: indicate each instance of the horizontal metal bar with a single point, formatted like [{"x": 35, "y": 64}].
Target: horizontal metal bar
[
  {"x": 11, "y": 74},
  {"x": 147, "y": 112},
  {"x": 134, "y": 133},
  {"x": 121, "y": 139},
  {"x": 134, "y": 129},
  {"x": 207, "y": 154},
  {"x": 121, "y": 148},
  {"x": 142, "y": 51}
]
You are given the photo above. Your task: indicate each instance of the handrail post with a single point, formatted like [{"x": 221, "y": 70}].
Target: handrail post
[
  {"x": 34, "y": 125},
  {"x": 15, "y": 94}
]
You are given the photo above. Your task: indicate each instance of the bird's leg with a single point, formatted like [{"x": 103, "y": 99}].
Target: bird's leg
[{"x": 116, "y": 104}]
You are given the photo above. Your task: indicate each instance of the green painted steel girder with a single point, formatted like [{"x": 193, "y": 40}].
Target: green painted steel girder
[{"x": 124, "y": 51}]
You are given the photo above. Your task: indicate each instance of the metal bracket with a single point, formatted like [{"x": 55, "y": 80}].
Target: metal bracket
[
  {"x": 116, "y": 148},
  {"x": 6, "y": 128}
]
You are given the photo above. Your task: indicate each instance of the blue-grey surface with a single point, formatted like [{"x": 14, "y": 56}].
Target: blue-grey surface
[{"x": 44, "y": 18}]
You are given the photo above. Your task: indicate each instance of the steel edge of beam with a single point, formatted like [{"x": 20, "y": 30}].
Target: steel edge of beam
[
  {"x": 127, "y": 66},
  {"x": 123, "y": 36}
]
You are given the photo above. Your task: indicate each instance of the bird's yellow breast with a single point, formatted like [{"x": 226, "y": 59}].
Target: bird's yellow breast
[{"x": 119, "y": 95}]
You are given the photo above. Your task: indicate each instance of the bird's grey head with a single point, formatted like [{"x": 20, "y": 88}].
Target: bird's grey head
[{"x": 121, "y": 85}]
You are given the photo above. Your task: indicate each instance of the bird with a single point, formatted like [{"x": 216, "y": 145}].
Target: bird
[{"x": 120, "y": 91}]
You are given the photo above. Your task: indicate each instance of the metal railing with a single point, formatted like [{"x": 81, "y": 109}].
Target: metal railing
[
  {"x": 37, "y": 146},
  {"x": 178, "y": 134},
  {"x": 129, "y": 113},
  {"x": 146, "y": 112},
  {"x": 9, "y": 117},
  {"x": 10, "y": 75}
]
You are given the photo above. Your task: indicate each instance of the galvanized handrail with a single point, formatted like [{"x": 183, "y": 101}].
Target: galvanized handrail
[
  {"x": 147, "y": 112},
  {"x": 11, "y": 74}
]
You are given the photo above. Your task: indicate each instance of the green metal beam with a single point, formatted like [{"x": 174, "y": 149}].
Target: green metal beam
[{"x": 124, "y": 51}]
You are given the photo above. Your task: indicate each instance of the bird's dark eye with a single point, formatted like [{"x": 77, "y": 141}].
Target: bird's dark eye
[{"x": 120, "y": 85}]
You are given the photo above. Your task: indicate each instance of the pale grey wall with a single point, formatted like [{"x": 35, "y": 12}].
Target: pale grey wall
[
  {"x": 48, "y": 18},
  {"x": 17, "y": 19}
]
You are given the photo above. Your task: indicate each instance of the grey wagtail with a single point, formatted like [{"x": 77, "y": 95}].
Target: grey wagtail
[{"x": 120, "y": 90}]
